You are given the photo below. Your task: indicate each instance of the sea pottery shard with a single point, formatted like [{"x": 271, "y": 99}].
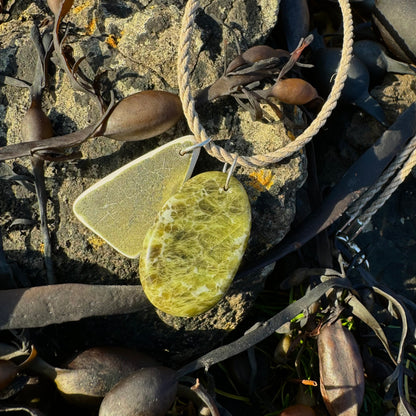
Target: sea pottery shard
[
  {"x": 121, "y": 207},
  {"x": 193, "y": 250}
]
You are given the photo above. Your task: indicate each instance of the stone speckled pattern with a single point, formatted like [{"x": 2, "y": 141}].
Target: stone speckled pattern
[
  {"x": 192, "y": 252},
  {"x": 122, "y": 206}
]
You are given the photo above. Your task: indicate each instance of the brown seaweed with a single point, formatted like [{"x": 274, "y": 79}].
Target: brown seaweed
[
  {"x": 136, "y": 117},
  {"x": 45, "y": 305},
  {"x": 150, "y": 391},
  {"x": 93, "y": 373},
  {"x": 341, "y": 370},
  {"x": 36, "y": 126}
]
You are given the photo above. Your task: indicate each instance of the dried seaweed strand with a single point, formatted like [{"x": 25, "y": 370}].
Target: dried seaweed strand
[
  {"x": 39, "y": 127},
  {"x": 265, "y": 329}
]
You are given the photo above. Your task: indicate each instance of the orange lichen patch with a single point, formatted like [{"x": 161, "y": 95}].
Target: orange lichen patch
[
  {"x": 81, "y": 7},
  {"x": 90, "y": 28},
  {"x": 291, "y": 136},
  {"x": 112, "y": 40},
  {"x": 95, "y": 242},
  {"x": 42, "y": 248},
  {"x": 261, "y": 179},
  {"x": 228, "y": 326}
]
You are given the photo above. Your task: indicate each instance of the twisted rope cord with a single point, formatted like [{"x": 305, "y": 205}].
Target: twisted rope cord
[
  {"x": 255, "y": 161},
  {"x": 356, "y": 209},
  {"x": 393, "y": 185}
]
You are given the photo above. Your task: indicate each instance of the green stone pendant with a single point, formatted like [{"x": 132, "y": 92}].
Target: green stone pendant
[
  {"x": 121, "y": 207},
  {"x": 193, "y": 250}
]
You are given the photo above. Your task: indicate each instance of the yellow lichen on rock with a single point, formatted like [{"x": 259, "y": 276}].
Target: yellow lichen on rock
[
  {"x": 96, "y": 242},
  {"x": 90, "y": 28},
  {"x": 81, "y": 7},
  {"x": 192, "y": 252},
  {"x": 112, "y": 40}
]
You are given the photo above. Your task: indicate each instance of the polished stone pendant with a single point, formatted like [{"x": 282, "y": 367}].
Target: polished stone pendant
[
  {"x": 121, "y": 207},
  {"x": 193, "y": 250}
]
